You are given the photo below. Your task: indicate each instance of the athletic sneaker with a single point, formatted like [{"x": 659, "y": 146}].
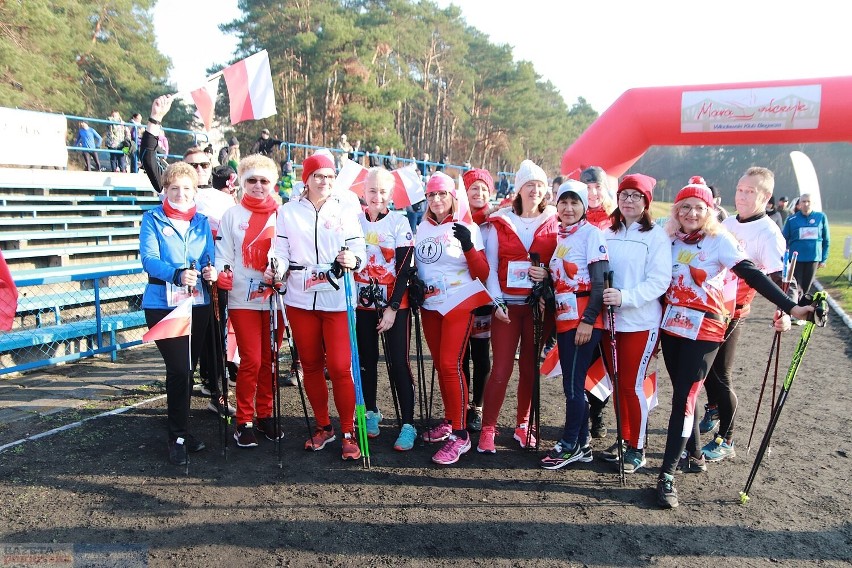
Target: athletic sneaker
[
  {"x": 689, "y": 464},
  {"x": 634, "y": 460},
  {"x": 666, "y": 492},
  {"x": 486, "y": 440},
  {"x": 217, "y": 406},
  {"x": 439, "y": 433},
  {"x": 321, "y": 437},
  {"x": 245, "y": 435},
  {"x": 587, "y": 455},
  {"x": 406, "y": 438},
  {"x": 598, "y": 428},
  {"x": 205, "y": 389},
  {"x": 350, "y": 448},
  {"x": 718, "y": 449},
  {"x": 710, "y": 421},
  {"x": 373, "y": 419},
  {"x": 177, "y": 452},
  {"x": 474, "y": 419},
  {"x": 266, "y": 426},
  {"x": 193, "y": 444},
  {"x": 452, "y": 449},
  {"x": 521, "y": 434},
  {"x": 611, "y": 453},
  {"x": 561, "y": 455}
]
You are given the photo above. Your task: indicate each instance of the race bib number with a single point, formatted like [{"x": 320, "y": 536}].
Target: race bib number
[
  {"x": 436, "y": 290},
  {"x": 682, "y": 321},
  {"x": 808, "y": 233},
  {"x": 518, "y": 275},
  {"x": 256, "y": 293},
  {"x": 481, "y": 327},
  {"x": 317, "y": 278},
  {"x": 176, "y": 294},
  {"x": 566, "y": 307}
]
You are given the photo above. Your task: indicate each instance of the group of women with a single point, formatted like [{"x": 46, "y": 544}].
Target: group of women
[{"x": 308, "y": 244}]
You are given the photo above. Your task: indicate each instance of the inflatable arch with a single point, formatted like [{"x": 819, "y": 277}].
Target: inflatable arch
[{"x": 772, "y": 112}]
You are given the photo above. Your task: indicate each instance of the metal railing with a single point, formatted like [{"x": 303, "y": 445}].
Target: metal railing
[{"x": 64, "y": 316}]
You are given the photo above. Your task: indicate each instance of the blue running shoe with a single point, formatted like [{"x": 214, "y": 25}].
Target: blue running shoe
[
  {"x": 718, "y": 449},
  {"x": 710, "y": 421},
  {"x": 373, "y": 419},
  {"x": 406, "y": 438}
]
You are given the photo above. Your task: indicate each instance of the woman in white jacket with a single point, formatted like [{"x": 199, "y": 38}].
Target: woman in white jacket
[
  {"x": 318, "y": 237},
  {"x": 641, "y": 261}
]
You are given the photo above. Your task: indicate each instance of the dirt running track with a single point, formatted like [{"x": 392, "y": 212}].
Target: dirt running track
[{"x": 109, "y": 483}]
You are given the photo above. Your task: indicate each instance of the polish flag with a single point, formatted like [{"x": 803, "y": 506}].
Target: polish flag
[
  {"x": 352, "y": 176},
  {"x": 8, "y": 296},
  {"x": 597, "y": 380},
  {"x": 177, "y": 324},
  {"x": 463, "y": 215},
  {"x": 205, "y": 101},
  {"x": 466, "y": 298},
  {"x": 551, "y": 367},
  {"x": 250, "y": 88},
  {"x": 408, "y": 189}
]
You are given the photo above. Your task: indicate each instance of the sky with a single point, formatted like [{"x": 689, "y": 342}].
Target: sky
[{"x": 597, "y": 49}]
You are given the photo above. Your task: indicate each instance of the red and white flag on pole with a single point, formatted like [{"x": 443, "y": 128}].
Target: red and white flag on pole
[
  {"x": 649, "y": 387},
  {"x": 250, "y": 88},
  {"x": 176, "y": 324},
  {"x": 463, "y": 215},
  {"x": 551, "y": 367},
  {"x": 408, "y": 189},
  {"x": 597, "y": 380},
  {"x": 352, "y": 176},
  {"x": 466, "y": 298},
  {"x": 8, "y": 296},
  {"x": 205, "y": 101}
]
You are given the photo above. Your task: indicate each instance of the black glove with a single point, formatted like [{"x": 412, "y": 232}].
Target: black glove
[
  {"x": 416, "y": 291},
  {"x": 462, "y": 233}
]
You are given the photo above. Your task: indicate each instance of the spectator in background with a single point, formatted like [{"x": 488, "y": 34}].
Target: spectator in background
[
  {"x": 424, "y": 167},
  {"x": 288, "y": 179},
  {"x": 223, "y": 153},
  {"x": 390, "y": 160},
  {"x": 116, "y": 139},
  {"x": 806, "y": 233},
  {"x": 502, "y": 186},
  {"x": 442, "y": 164},
  {"x": 88, "y": 138},
  {"x": 782, "y": 209},
  {"x": 375, "y": 160},
  {"x": 554, "y": 189},
  {"x": 773, "y": 213},
  {"x": 721, "y": 214},
  {"x": 234, "y": 155},
  {"x": 265, "y": 145},
  {"x": 356, "y": 153},
  {"x": 345, "y": 150}
]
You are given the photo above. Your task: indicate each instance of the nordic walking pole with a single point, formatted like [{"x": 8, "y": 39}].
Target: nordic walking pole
[
  {"x": 614, "y": 353},
  {"x": 820, "y": 317},
  {"x": 535, "y": 400},
  {"x": 273, "y": 352},
  {"x": 360, "y": 409},
  {"x": 292, "y": 347},
  {"x": 785, "y": 287},
  {"x": 371, "y": 295},
  {"x": 220, "y": 355}
]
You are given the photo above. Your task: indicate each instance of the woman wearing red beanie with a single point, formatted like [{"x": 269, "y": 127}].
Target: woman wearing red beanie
[
  {"x": 244, "y": 244},
  {"x": 480, "y": 188},
  {"x": 528, "y": 228},
  {"x": 312, "y": 231},
  {"x": 640, "y": 258},
  {"x": 697, "y": 309},
  {"x": 449, "y": 254}
]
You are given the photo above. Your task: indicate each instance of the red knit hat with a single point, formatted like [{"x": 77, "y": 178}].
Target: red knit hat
[
  {"x": 478, "y": 174},
  {"x": 641, "y": 183},
  {"x": 314, "y": 163},
  {"x": 696, "y": 188}
]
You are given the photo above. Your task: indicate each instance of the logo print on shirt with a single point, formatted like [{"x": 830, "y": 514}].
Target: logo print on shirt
[{"x": 429, "y": 250}]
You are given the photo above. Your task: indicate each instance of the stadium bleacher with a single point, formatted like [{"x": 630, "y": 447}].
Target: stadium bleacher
[{"x": 71, "y": 240}]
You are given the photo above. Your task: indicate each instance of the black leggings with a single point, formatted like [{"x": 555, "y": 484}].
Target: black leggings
[
  {"x": 805, "y": 273},
  {"x": 477, "y": 353},
  {"x": 180, "y": 366},
  {"x": 720, "y": 381},
  {"x": 687, "y": 362},
  {"x": 398, "y": 339}
]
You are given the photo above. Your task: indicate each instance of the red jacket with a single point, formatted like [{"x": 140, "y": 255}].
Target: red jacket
[{"x": 510, "y": 248}]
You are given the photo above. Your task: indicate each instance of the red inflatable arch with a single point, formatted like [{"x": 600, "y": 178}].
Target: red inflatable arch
[{"x": 771, "y": 112}]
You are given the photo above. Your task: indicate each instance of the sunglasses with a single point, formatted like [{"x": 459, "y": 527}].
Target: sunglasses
[
  {"x": 261, "y": 181},
  {"x": 204, "y": 165}
]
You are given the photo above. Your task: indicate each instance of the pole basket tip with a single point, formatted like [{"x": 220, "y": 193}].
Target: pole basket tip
[{"x": 744, "y": 498}]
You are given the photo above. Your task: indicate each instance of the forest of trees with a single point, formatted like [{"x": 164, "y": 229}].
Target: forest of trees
[{"x": 400, "y": 74}]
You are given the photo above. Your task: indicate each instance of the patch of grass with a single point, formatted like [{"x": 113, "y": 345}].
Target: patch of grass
[{"x": 840, "y": 227}]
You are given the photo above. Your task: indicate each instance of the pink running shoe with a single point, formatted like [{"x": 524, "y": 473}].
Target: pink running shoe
[
  {"x": 486, "y": 440},
  {"x": 439, "y": 433},
  {"x": 521, "y": 435},
  {"x": 452, "y": 450}
]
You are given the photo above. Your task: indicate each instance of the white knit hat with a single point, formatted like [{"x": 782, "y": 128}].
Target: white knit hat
[
  {"x": 576, "y": 187},
  {"x": 529, "y": 171}
]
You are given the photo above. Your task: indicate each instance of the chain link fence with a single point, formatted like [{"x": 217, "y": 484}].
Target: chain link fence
[{"x": 75, "y": 317}]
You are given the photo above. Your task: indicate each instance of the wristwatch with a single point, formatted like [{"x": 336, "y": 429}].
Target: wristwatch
[{"x": 394, "y": 306}]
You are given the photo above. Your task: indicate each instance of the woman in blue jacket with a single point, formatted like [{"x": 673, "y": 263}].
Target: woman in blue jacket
[
  {"x": 174, "y": 243},
  {"x": 806, "y": 233}
]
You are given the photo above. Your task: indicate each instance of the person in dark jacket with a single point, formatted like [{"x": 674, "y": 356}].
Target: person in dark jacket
[{"x": 265, "y": 145}]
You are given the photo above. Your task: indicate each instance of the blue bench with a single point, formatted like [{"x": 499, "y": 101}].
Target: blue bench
[
  {"x": 64, "y": 223},
  {"x": 128, "y": 248},
  {"x": 88, "y": 329},
  {"x": 72, "y": 298},
  {"x": 107, "y": 235},
  {"x": 102, "y": 210},
  {"x": 36, "y": 200},
  {"x": 54, "y": 274}
]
